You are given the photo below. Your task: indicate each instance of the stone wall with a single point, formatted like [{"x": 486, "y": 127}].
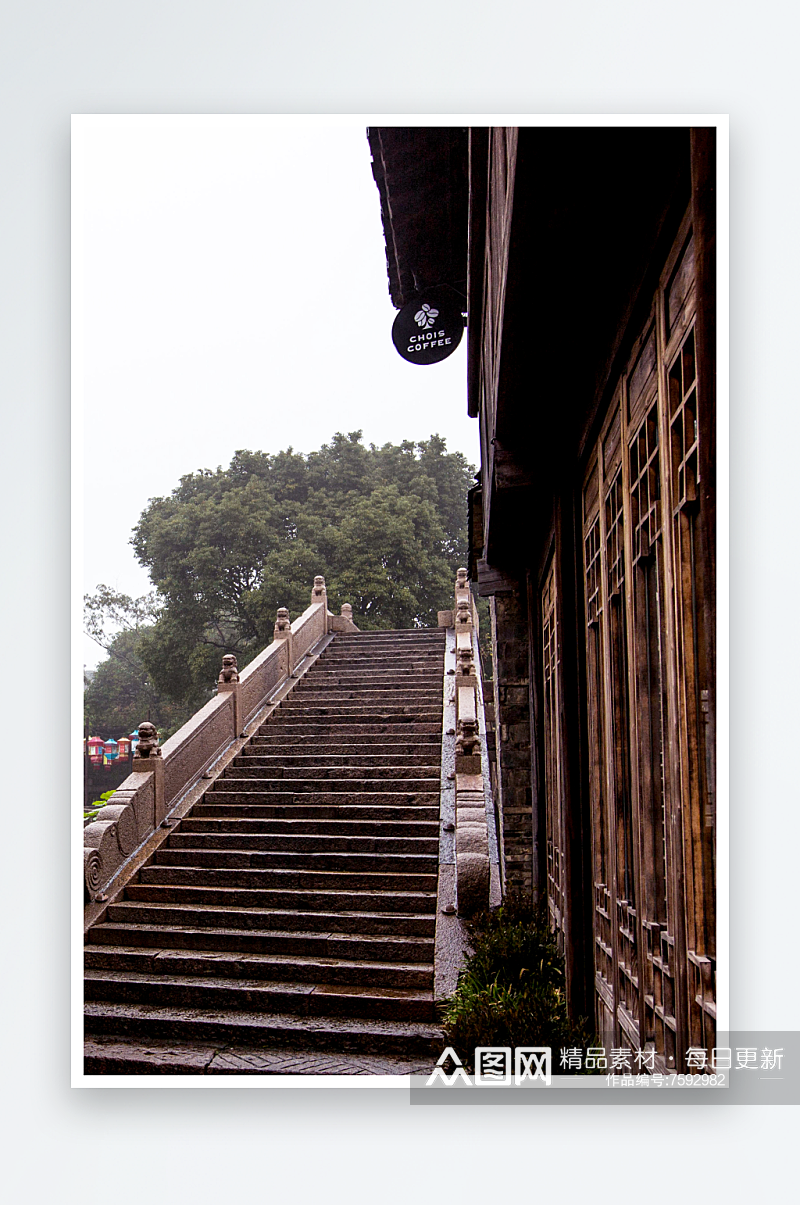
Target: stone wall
[{"x": 512, "y": 722}]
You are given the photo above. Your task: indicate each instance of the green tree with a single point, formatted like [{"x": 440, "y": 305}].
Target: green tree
[
  {"x": 121, "y": 693},
  {"x": 386, "y": 526}
]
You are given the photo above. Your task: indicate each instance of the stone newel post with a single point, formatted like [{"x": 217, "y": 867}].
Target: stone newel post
[
  {"x": 283, "y": 631},
  {"x": 228, "y": 683},
  {"x": 319, "y": 594},
  {"x": 472, "y": 840},
  {"x": 148, "y": 760}
]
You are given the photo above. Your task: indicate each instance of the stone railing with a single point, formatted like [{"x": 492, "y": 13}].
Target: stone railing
[
  {"x": 472, "y": 864},
  {"x": 161, "y": 776}
]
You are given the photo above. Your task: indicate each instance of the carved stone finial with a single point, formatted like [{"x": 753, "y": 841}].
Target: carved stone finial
[
  {"x": 461, "y": 580},
  {"x": 282, "y": 623},
  {"x": 463, "y": 614},
  {"x": 467, "y": 740},
  {"x": 347, "y": 610},
  {"x": 466, "y": 664},
  {"x": 319, "y": 593},
  {"x": 148, "y": 741},
  {"x": 229, "y": 671}
]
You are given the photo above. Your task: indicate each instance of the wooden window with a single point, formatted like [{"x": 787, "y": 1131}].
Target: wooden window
[
  {"x": 679, "y": 289},
  {"x": 601, "y": 856},
  {"x": 650, "y": 761},
  {"x": 696, "y": 746},
  {"x": 553, "y": 760},
  {"x": 618, "y": 724},
  {"x": 650, "y": 693}
]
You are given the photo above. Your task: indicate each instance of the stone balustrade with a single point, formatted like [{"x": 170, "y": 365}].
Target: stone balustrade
[
  {"x": 162, "y": 776},
  {"x": 472, "y": 866}
]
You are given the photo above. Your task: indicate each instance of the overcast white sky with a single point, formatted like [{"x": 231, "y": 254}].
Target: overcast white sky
[{"x": 230, "y": 292}]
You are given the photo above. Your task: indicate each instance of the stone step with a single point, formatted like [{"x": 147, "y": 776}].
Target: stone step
[
  {"x": 315, "y": 999},
  {"x": 353, "y": 862},
  {"x": 405, "y": 913},
  {"x": 373, "y": 949},
  {"x": 271, "y": 1030},
  {"x": 381, "y": 677},
  {"x": 330, "y": 677},
  {"x": 385, "y": 663},
  {"x": 303, "y": 827},
  {"x": 412, "y": 685},
  {"x": 358, "y": 644},
  {"x": 377, "y": 695},
  {"x": 398, "y": 728},
  {"x": 280, "y": 877},
  {"x": 399, "y": 635},
  {"x": 372, "y": 781},
  {"x": 345, "y": 767},
  {"x": 381, "y": 648},
  {"x": 391, "y": 742},
  {"x": 110, "y": 1055},
  {"x": 386, "y": 678},
  {"x": 390, "y": 672},
  {"x": 353, "y": 701},
  {"x": 352, "y": 758},
  {"x": 408, "y": 638},
  {"x": 385, "y": 647},
  {"x": 344, "y": 792},
  {"x": 339, "y": 696},
  {"x": 281, "y": 753},
  {"x": 328, "y": 708},
  {"x": 228, "y": 800},
  {"x": 303, "y": 842},
  {"x": 240, "y": 964},
  {"x": 270, "y": 767}
]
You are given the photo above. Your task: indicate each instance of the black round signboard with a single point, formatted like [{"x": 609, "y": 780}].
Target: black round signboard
[{"x": 428, "y": 330}]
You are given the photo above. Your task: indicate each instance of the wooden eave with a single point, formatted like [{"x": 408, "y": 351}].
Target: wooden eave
[
  {"x": 421, "y": 174},
  {"x": 584, "y": 260}
]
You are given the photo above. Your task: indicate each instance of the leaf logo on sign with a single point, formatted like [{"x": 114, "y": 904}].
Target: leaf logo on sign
[{"x": 426, "y": 316}]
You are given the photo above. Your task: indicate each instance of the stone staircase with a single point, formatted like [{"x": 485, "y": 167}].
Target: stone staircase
[{"x": 286, "y": 925}]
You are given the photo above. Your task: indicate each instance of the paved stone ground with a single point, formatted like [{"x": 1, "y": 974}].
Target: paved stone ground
[{"x": 112, "y": 1057}]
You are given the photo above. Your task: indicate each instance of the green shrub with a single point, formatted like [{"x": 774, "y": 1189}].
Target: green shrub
[
  {"x": 95, "y": 807},
  {"x": 511, "y": 990}
]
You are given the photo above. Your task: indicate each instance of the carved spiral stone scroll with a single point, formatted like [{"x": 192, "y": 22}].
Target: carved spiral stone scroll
[
  {"x": 92, "y": 873},
  {"x": 126, "y": 829}
]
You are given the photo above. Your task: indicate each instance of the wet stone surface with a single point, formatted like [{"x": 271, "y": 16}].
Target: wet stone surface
[{"x": 286, "y": 927}]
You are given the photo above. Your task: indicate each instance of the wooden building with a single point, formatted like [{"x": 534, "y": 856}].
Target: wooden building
[{"x": 585, "y": 260}]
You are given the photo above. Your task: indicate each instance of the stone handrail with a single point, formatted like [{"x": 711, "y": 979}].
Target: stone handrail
[
  {"x": 472, "y": 834},
  {"x": 161, "y": 777},
  {"x": 311, "y": 627},
  {"x": 261, "y": 677}
]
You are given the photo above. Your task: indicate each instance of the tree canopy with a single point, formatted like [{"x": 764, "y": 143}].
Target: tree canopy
[
  {"x": 121, "y": 693},
  {"x": 386, "y": 526}
]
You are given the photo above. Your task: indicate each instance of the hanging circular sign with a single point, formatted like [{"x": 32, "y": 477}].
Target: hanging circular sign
[{"x": 428, "y": 330}]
